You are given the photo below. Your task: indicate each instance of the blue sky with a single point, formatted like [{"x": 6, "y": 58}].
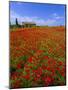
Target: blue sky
[{"x": 41, "y": 14}]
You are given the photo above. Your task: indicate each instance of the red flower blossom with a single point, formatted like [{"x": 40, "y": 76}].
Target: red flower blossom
[
  {"x": 60, "y": 63},
  {"x": 58, "y": 68},
  {"x": 35, "y": 78},
  {"x": 49, "y": 61},
  {"x": 38, "y": 75},
  {"x": 27, "y": 70},
  {"x": 30, "y": 60},
  {"x": 48, "y": 81},
  {"x": 46, "y": 57},
  {"x": 14, "y": 75},
  {"x": 53, "y": 71},
  {"x": 18, "y": 65},
  {"x": 40, "y": 70},
  {"x": 48, "y": 68},
  {"x": 27, "y": 76},
  {"x": 39, "y": 51},
  {"x": 44, "y": 67}
]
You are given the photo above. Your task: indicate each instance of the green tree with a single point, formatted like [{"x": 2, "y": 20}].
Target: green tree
[{"x": 16, "y": 22}]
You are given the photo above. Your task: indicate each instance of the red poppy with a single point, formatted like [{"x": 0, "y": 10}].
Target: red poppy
[
  {"x": 48, "y": 81},
  {"x": 60, "y": 63},
  {"x": 38, "y": 75},
  {"x": 48, "y": 68},
  {"x": 27, "y": 70},
  {"x": 40, "y": 70},
  {"x": 35, "y": 78},
  {"x": 44, "y": 67},
  {"x": 46, "y": 57},
  {"x": 27, "y": 76},
  {"x": 18, "y": 66},
  {"x": 58, "y": 68},
  {"x": 14, "y": 75},
  {"x": 39, "y": 51},
  {"x": 30, "y": 60}
]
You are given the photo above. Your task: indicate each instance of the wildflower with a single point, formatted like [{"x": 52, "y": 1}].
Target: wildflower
[
  {"x": 46, "y": 57},
  {"x": 60, "y": 63},
  {"x": 47, "y": 81},
  {"x": 18, "y": 66},
  {"x": 44, "y": 67},
  {"x": 27, "y": 76},
  {"x": 30, "y": 60}
]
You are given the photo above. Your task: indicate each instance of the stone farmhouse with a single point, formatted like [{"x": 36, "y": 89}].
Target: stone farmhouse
[{"x": 28, "y": 24}]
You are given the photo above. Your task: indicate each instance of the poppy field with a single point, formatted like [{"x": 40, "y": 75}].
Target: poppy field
[{"x": 37, "y": 57}]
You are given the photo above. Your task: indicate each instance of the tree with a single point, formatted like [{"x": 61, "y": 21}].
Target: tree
[{"x": 16, "y": 22}]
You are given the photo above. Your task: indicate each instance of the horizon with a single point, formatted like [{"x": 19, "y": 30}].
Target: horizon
[{"x": 42, "y": 14}]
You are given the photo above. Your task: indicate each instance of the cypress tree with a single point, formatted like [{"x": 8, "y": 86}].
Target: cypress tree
[{"x": 16, "y": 22}]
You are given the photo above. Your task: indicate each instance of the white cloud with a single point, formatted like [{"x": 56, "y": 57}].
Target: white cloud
[
  {"x": 37, "y": 20},
  {"x": 59, "y": 17},
  {"x": 13, "y": 15},
  {"x": 50, "y": 21},
  {"x": 56, "y": 16}
]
